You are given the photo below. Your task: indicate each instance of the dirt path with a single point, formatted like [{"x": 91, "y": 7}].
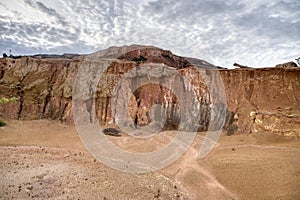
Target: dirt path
[{"x": 46, "y": 160}]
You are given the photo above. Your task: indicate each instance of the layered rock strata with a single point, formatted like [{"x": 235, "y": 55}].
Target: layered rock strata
[{"x": 264, "y": 99}]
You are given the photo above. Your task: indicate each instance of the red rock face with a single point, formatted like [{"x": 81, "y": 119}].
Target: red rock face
[
  {"x": 257, "y": 99},
  {"x": 154, "y": 55},
  {"x": 43, "y": 88},
  {"x": 264, "y": 99}
]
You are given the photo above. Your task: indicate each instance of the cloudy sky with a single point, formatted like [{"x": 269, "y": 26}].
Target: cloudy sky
[{"x": 250, "y": 32}]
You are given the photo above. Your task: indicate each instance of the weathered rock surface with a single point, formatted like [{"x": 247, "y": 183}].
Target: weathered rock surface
[
  {"x": 265, "y": 99},
  {"x": 257, "y": 99},
  {"x": 43, "y": 87},
  {"x": 288, "y": 64}
]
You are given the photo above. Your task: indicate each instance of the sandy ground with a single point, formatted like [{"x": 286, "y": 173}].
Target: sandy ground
[{"x": 46, "y": 160}]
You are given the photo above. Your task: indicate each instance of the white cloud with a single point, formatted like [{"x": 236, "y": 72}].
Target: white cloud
[{"x": 254, "y": 33}]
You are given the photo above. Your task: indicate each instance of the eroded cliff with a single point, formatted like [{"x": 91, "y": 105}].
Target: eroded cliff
[{"x": 265, "y": 99}]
